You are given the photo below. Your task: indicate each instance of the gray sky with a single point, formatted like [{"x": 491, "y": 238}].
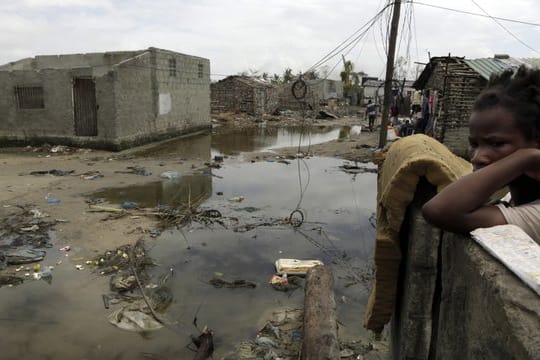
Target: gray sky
[{"x": 265, "y": 35}]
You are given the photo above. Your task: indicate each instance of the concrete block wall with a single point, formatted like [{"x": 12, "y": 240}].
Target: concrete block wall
[
  {"x": 188, "y": 90},
  {"x": 152, "y": 104},
  {"x": 455, "y": 301},
  {"x": 134, "y": 98},
  {"x": 55, "y": 119}
]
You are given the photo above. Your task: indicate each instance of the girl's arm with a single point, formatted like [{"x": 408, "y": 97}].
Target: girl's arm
[{"x": 460, "y": 206}]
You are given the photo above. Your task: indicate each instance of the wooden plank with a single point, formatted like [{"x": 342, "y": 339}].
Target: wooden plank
[{"x": 320, "y": 325}]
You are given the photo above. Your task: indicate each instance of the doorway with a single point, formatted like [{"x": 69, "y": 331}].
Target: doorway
[{"x": 85, "y": 107}]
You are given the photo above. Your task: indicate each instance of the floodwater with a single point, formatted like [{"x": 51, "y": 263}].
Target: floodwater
[{"x": 67, "y": 319}]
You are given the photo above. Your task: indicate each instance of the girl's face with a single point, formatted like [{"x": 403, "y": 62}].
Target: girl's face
[{"x": 493, "y": 134}]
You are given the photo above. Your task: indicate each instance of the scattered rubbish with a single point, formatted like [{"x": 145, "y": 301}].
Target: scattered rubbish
[
  {"x": 219, "y": 193},
  {"x": 79, "y": 267},
  {"x": 58, "y": 148},
  {"x": 354, "y": 169},
  {"x": 123, "y": 282},
  {"x": 285, "y": 282},
  {"x": 137, "y": 170},
  {"x": 249, "y": 209},
  {"x": 213, "y": 165},
  {"x": 237, "y": 199},
  {"x": 53, "y": 201},
  {"x": 154, "y": 232},
  {"x": 36, "y": 214},
  {"x": 170, "y": 175},
  {"x": 295, "y": 266},
  {"x": 326, "y": 115},
  {"x": 220, "y": 283},
  {"x": 129, "y": 205},
  {"x": 30, "y": 228},
  {"x": 65, "y": 248},
  {"x": 218, "y": 158},
  {"x": 265, "y": 341},
  {"x": 10, "y": 280},
  {"x": 53, "y": 172},
  {"x": 92, "y": 175},
  {"x": 95, "y": 201},
  {"x": 45, "y": 274},
  {"x": 286, "y": 162},
  {"x": 97, "y": 208},
  {"x": 23, "y": 256},
  {"x": 130, "y": 319},
  {"x": 279, "y": 338}
]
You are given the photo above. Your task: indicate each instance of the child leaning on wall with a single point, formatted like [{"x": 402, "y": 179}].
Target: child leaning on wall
[{"x": 504, "y": 134}]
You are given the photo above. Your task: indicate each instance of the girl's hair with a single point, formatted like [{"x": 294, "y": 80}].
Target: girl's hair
[{"x": 517, "y": 91}]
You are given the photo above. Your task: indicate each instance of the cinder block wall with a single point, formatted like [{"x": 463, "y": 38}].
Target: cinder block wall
[
  {"x": 455, "y": 301},
  {"x": 151, "y": 103}
]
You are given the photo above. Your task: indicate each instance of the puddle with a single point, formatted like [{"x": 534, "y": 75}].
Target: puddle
[
  {"x": 269, "y": 138},
  {"x": 246, "y": 140},
  {"x": 168, "y": 192},
  {"x": 66, "y": 319}
]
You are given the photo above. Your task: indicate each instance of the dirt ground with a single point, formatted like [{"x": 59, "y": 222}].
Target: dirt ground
[{"x": 83, "y": 229}]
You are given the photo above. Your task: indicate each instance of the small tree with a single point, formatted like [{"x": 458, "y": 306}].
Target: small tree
[{"x": 288, "y": 75}]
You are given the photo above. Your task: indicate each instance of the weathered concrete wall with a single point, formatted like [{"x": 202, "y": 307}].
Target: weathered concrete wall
[
  {"x": 152, "y": 103},
  {"x": 458, "y": 302},
  {"x": 55, "y": 122}
]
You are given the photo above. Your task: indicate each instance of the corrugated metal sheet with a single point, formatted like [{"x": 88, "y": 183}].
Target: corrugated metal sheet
[{"x": 487, "y": 66}]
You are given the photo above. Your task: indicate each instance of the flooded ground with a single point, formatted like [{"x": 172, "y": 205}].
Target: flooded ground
[{"x": 67, "y": 318}]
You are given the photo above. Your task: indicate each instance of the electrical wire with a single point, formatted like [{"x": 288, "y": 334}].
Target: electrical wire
[
  {"x": 473, "y": 13},
  {"x": 505, "y": 28}
]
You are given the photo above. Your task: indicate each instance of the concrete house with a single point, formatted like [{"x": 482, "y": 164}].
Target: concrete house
[
  {"x": 239, "y": 93},
  {"x": 110, "y": 100},
  {"x": 455, "y": 82}
]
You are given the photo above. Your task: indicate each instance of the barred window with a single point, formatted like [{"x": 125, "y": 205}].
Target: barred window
[
  {"x": 29, "y": 97},
  {"x": 172, "y": 67},
  {"x": 200, "y": 72}
]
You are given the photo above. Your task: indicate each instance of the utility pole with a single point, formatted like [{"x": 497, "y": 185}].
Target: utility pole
[{"x": 389, "y": 72}]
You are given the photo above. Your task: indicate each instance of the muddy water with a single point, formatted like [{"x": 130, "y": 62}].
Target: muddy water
[{"x": 66, "y": 319}]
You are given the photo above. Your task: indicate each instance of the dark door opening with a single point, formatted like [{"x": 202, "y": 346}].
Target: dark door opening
[{"x": 84, "y": 107}]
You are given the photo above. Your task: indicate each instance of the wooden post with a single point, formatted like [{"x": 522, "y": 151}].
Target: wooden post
[
  {"x": 320, "y": 325},
  {"x": 389, "y": 72}
]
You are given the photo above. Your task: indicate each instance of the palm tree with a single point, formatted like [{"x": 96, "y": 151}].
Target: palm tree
[{"x": 349, "y": 77}]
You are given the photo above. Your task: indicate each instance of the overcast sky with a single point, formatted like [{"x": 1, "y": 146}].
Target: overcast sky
[{"x": 265, "y": 35}]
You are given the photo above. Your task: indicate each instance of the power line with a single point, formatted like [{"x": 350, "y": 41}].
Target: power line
[
  {"x": 505, "y": 28},
  {"x": 473, "y": 13},
  {"x": 355, "y": 36}
]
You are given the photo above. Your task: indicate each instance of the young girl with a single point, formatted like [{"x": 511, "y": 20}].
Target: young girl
[{"x": 504, "y": 135}]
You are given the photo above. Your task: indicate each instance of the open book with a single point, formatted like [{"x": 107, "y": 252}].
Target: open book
[{"x": 515, "y": 249}]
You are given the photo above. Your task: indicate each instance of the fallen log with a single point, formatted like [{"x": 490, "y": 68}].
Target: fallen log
[{"x": 320, "y": 325}]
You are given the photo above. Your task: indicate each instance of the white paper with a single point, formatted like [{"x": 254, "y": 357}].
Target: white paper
[{"x": 515, "y": 249}]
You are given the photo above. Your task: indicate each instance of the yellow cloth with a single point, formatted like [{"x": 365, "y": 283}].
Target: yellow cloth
[{"x": 407, "y": 160}]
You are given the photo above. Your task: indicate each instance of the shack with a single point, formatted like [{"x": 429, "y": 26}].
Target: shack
[
  {"x": 239, "y": 93},
  {"x": 319, "y": 92},
  {"x": 109, "y": 100},
  {"x": 454, "y": 83}
]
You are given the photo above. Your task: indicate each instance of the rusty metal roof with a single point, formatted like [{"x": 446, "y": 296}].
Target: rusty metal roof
[{"x": 487, "y": 66}]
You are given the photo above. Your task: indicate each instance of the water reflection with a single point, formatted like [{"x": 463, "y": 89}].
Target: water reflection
[
  {"x": 268, "y": 138},
  {"x": 181, "y": 191},
  {"x": 245, "y": 140}
]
